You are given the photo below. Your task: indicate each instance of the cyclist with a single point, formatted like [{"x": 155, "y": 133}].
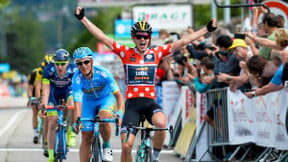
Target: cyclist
[
  {"x": 94, "y": 90},
  {"x": 140, "y": 65},
  {"x": 57, "y": 80},
  {"x": 34, "y": 90}
]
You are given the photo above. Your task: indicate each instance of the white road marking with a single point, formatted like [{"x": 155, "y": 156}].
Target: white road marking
[
  {"x": 70, "y": 150},
  {"x": 11, "y": 121}
]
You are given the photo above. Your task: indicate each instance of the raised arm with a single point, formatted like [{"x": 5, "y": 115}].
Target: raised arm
[
  {"x": 211, "y": 26},
  {"x": 80, "y": 15}
]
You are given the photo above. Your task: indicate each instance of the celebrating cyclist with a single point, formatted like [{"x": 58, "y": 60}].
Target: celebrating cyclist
[
  {"x": 34, "y": 90},
  {"x": 94, "y": 91},
  {"x": 57, "y": 81},
  {"x": 140, "y": 65}
]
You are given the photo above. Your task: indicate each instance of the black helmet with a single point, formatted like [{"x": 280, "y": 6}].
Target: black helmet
[
  {"x": 61, "y": 55},
  {"x": 141, "y": 26}
]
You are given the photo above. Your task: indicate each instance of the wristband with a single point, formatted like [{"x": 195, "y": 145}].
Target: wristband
[
  {"x": 253, "y": 93},
  {"x": 81, "y": 14},
  {"x": 209, "y": 26},
  {"x": 120, "y": 114}
]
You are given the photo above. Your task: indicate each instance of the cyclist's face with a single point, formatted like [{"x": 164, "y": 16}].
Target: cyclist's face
[
  {"x": 84, "y": 65},
  {"x": 61, "y": 67},
  {"x": 141, "y": 40}
]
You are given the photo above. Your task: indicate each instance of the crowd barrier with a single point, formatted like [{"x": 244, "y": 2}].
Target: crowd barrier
[{"x": 240, "y": 121}]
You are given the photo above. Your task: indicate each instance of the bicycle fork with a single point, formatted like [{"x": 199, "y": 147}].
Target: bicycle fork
[{"x": 61, "y": 144}]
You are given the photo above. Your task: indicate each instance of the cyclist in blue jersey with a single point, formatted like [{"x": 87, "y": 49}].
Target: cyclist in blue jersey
[
  {"x": 57, "y": 80},
  {"x": 94, "y": 91}
]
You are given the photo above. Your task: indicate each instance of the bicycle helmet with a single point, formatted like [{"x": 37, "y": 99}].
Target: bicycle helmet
[
  {"x": 61, "y": 55},
  {"x": 82, "y": 52},
  {"x": 48, "y": 58},
  {"x": 141, "y": 26}
]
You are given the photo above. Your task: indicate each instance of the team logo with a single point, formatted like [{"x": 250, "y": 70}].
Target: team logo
[{"x": 149, "y": 58}]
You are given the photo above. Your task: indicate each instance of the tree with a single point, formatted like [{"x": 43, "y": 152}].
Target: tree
[{"x": 24, "y": 42}]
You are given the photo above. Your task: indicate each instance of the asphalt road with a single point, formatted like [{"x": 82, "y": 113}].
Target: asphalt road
[{"x": 16, "y": 140}]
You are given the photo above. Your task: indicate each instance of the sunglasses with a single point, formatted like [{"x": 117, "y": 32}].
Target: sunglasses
[
  {"x": 140, "y": 36},
  {"x": 60, "y": 63},
  {"x": 86, "y": 62}
]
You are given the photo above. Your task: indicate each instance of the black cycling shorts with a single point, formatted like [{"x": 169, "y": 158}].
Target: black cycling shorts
[{"x": 136, "y": 107}]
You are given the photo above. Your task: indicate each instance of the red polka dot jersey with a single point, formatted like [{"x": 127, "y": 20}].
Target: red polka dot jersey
[{"x": 140, "y": 70}]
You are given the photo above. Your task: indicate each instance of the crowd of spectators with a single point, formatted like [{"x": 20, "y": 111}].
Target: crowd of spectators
[{"x": 251, "y": 61}]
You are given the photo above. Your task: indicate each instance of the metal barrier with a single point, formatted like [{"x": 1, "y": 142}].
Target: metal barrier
[{"x": 219, "y": 134}]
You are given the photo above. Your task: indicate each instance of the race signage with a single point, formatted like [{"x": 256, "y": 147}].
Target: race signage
[
  {"x": 168, "y": 17},
  {"x": 278, "y": 8}
]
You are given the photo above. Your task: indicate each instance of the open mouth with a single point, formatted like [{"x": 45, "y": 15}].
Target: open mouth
[{"x": 142, "y": 44}]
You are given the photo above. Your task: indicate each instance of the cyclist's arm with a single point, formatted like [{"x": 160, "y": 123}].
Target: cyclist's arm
[
  {"x": 38, "y": 86},
  {"x": 191, "y": 37},
  {"x": 120, "y": 100},
  {"x": 46, "y": 91},
  {"x": 77, "y": 110},
  {"x": 188, "y": 39},
  {"x": 77, "y": 95},
  {"x": 95, "y": 30}
]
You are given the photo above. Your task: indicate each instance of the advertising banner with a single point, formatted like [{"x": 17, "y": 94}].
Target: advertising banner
[{"x": 168, "y": 16}]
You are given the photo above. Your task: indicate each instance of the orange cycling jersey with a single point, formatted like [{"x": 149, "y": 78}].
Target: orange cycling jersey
[{"x": 140, "y": 70}]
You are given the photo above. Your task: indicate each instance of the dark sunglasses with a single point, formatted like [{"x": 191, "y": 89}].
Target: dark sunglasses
[
  {"x": 139, "y": 36},
  {"x": 60, "y": 63},
  {"x": 86, "y": 62}
]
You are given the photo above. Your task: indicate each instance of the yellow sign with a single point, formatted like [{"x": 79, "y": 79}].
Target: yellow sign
[{"x": 186, "y": 134}]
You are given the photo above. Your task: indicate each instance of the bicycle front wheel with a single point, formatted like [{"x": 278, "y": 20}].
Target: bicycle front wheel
[
  {"x": 144, "y": 155},
  {"x": 96, "y": 150},
  {"x": 148, "y": 155},
  {"x": 60, "y": 152}
]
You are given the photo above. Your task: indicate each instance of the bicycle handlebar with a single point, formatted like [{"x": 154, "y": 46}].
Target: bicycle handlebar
[
  {"x": 106, "y": 120},
  {"x": 242, "y": 5},
  {"x": 148, "y": 130},
  {"x": 59, "y": 107}
]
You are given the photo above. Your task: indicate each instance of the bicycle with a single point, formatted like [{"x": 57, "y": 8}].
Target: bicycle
[
  {"x": 60, "y": 149},
  {"x": 96, "y": 153},
  {"x": 40, "y": 119},
  {"x": 144, "y": 153}
]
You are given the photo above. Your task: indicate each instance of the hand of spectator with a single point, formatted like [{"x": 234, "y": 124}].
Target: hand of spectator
[
  {"x": 211, "y": 26},
  {"x": 186, "y": 62},
  {"x": 243, "y": 65},
  {"x": 255, "y": 9},
  {"x": 208, "y": 79},
  {"x": 191, "y": 77},
  {"x": 249, "y": 94},
  {"x": 249, "y": 41},
  {"x": 222, "y": 77},
  {"x": 250, "y": 34},
  {"x": 263, "y": 10},
  {"x": 185, "y": 79}
]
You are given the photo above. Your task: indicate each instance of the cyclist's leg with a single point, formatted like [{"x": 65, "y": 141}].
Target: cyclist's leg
[
  {"x": 88, "y": 112},
  {"x": 105, "y": 111},
  {"x": 45, "y": 132},
  {"x": 131, "y": 116},
  {"x": 85, "y": 146},
  {"x": 157, "y": 117},
  {"x": 51, "y": 116},
  {"x": 34, "y": 121},
  {"x": 70, "y": 133}
]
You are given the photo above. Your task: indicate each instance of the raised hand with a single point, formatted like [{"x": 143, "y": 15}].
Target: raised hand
[{"x": 79, "y": 13}]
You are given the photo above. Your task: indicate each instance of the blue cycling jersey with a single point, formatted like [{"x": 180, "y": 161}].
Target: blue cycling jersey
[
  {"x": 56, "y": 81},
  {"x": 102, "y": 84}
]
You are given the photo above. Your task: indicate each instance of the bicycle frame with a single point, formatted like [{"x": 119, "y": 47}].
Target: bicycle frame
[
  {"x": 144, "y": 153},
  {"x": 60, "y": 142},
  {"x": 96, "y": 154}
]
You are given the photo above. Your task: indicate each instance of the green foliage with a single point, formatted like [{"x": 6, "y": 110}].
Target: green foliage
[
  {"x": 202, "y": 13},
  {"x": 4, "y": 3},
  {"x": 25, "y": 43}
]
